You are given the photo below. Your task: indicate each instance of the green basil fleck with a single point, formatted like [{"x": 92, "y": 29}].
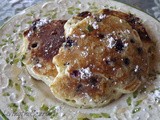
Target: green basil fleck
[
  {"x": 138, "y": 102},
  {"x": 10, "y": 83},
  {"x": 52, "y": 112},
  {"x": 1, "y": 45},
  {"x": 135, "y": 110},
  {"x": 28, "y": 88},
  {"x": 14, "y": 31},
  {"x": 135, "y": 94},
  {"x": 129, "y": 100},
  {"x": 83, "y": 119},
  {"x": 20, "y": 35},
  {"x": 30, "y": 97},
  {"x": 105, "y": 115},
  {"x": 72, "y": 10},
  {"x": 6, "y": 94},
  {"x": 7, "y": 60},
  {"x": 25, "y": 106},
  {"x": 11, "y": 55},
  {"x": 44, "y": 107},
  {"x": 29, "y": 14},
  {"x": 29, "y": 22},
  {"x": 17, "y": 25},
  {"x": 15, "y": 61},
  {"x": 13, "y": 106},
  {"x": 8, "y": 35},
  {"x": 95, "y": 115},
  {"x": 18, "y": 87}
]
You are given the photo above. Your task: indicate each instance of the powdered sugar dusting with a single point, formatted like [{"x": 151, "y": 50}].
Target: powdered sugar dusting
[
  {"x": 39, "y": 24},
  {"x": 29, "y": 34},
  {"x": 102, "y": 16},
  {"x": 111, "y": 42},
  {"x": 136, "y": 68},
  {"x": 42, "y": 22},
  {"x": 95, "y": 25},
  {"x": 85, "y": 73},
  {"x": 38, "y": 65}
]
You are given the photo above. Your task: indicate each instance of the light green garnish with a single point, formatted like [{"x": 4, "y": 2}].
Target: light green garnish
[
  {"x": 15, "y": 61},
  {"x": 52, "y": 13},
  {"x": 29, "y": 22},
  {"x": 30, "y": 97},
  {"x": 72, "y": 10},
  {"x": 20, "y": 35},
  {"x": 7, "y": 60},
  {"x": 17, "y": 25},
  {"x": 78, "y": 2},
  {"x": 138, "y": 102},
  {"x": 3, "y": 116},
  {"x": 28, "y": 88},
  {"x": 10, "y": 83},
  {"x": 14, "y": 31},
  {"x": 18, "y": 87},
  {"x": 44, "y": 107},
  {"x": 4, "y": 40},
  {"x": 100, "y": 115},
  {"x": 23, "y": 57},
  {"x": 105, "y": 115},
  {"x": 93, "y": 6},
  {"x": 11, "y": 55},
  {"x": 1, "y": 45},
  {"x": 83, "y": 119},
  {"x": 106, "y": 5},
  {"x": 113, "y": 7},
  {"x": 52, "y": 112},
  {"x": 6, "y": 94},
  {"x": 25, "y": 106},
  {"x": 13, "y": 106},
  {"x": 135, "y": 94},
  {"x": 95, "y": 115},
  {"x": 30, "y": 14},
  {"x": 135, "y": 110},
  {"x": 68, "y": 100},
  {"x": 129, "y": 100},
  {"x": 8, "y": 35}
]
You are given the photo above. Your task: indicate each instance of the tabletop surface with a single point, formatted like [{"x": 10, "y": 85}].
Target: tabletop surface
[{"x": 9, "y": 8}]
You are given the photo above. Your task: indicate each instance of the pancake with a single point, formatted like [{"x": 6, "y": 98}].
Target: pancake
[
  {"x": 41, "y": 43},
  {"x": 105, "y": 55}
]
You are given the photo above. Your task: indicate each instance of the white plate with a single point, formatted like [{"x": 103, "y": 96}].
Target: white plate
[{"x": 10, "y": 40}]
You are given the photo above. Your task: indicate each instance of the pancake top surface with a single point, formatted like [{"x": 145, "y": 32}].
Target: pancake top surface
[
  {"x": 44, "y": 39},
  {"x": 103, "y": 55}
]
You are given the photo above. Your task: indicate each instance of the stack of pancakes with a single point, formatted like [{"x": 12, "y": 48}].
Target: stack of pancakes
[{"x": 90, "y": 59}]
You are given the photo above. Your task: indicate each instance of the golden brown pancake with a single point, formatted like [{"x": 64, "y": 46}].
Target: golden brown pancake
[
  {"x": 41, "y": 43},
  {"x": 105, "y": 55}
]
